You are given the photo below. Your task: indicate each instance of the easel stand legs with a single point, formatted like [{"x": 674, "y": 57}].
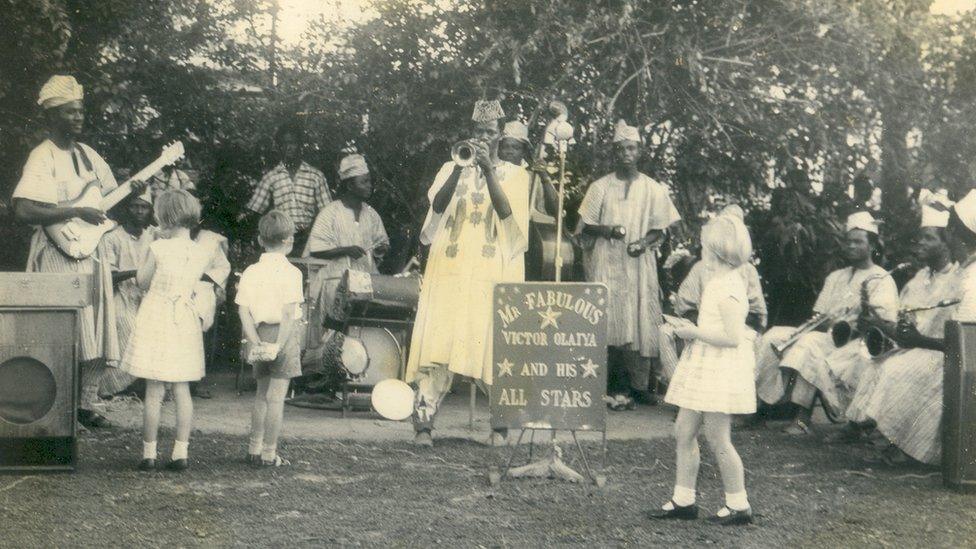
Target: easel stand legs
[{"x": 552, "y": 465}]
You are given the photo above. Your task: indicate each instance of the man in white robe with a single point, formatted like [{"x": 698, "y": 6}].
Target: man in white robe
[
  {"x": 56, "y": 173},
  {"x": 623, "y": 219},
  {"x": 476, "y": 227}
]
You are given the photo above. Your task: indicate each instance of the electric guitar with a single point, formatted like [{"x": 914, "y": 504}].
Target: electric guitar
[{"x": 77, "y": 238}]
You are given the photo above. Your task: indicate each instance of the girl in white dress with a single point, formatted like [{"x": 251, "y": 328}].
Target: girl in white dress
[
  {"x": 167, "y": 342},
  {"x": 715, "y": 377}
]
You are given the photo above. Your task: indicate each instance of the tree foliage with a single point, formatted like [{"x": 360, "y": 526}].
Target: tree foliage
[{"x": 737, "y": 97}]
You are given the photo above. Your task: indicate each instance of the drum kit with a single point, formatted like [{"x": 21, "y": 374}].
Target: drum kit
[{"x": 374, "y": 313}]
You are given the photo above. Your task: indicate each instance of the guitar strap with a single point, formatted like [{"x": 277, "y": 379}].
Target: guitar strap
[{"x": 89, "y": 167}]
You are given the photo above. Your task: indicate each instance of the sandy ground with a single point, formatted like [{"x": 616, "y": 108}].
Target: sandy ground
[
  {"x": 391, "y": 494},
  {"x": 229, "y": 413},
  {"x": 360, "y": 482}
]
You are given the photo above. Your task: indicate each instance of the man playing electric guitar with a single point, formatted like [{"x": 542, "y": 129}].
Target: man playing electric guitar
[{"x": 57, "y": 171}]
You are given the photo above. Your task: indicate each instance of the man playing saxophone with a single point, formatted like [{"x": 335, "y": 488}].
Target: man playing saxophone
[{"x": 804, "y": 362}]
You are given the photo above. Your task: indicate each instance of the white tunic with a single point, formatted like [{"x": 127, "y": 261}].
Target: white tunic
[{"x": 470, "y": 251}]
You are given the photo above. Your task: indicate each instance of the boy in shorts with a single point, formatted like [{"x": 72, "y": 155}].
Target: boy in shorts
[{"x": 269, "y": 300}]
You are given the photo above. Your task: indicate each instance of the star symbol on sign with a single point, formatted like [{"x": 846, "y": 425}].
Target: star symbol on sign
[
  {"x": 549, "y": 318},
  {"x": 589, "y": 369},
  {"x": 505, "y": 368}
]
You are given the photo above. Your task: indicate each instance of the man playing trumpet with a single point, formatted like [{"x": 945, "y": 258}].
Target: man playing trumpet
[
  {"x": 477, "y": 228},
  {"x": 840, "y": 300}
]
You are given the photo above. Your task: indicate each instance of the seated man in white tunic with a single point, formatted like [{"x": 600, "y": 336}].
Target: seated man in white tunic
[
  {"x": 476, "y": 228},
  {"x": 906, "y": 402},
  {"x": 840, "y": 300}
]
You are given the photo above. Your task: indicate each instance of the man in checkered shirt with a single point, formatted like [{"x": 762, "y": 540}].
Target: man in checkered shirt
[{"x": 292, "y": 186}]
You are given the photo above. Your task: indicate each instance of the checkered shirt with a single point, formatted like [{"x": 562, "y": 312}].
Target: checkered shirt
[{"x": 301, "y": 198}]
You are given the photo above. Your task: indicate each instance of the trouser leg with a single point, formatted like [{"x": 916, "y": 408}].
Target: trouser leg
[
  {"x": 638, "y": 370},
  {"x": 803, "y": 393},
  {"x": 618, "y": 377},
  {"x": 91, "y": 372},
  {"x": 433, "y": 384}
]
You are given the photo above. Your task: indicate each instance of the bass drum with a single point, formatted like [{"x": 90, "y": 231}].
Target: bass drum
[
  {"x": 371, "y": 354},
  {"x": 540, "y": 259}
]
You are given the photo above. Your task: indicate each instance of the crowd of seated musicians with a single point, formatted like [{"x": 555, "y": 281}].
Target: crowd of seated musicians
[{"x": 898, "y": 393}]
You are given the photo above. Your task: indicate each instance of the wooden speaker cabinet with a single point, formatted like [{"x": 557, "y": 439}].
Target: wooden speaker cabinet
[
  {"x": 38, "y": 369},
  {"x": 959, "y": 407}
]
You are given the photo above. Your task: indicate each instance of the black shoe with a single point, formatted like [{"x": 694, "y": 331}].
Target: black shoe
[
  {"x": 734, "y": 518},
  {"x": 254, "y": 459},
  {"x": 647, "y": 398},
  {"x": 147, "y": 464},
  {"x": 177, "y": 465},
  {"x": 93, "y": 420},
  {"x": 688, "y": 512},
  {"x": 202, "y": 392}
]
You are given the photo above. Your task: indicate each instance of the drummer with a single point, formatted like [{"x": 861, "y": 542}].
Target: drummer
[{"x": 347, "y": 234}]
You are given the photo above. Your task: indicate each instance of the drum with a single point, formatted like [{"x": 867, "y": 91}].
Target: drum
[
  {"x": 376, "y": 296},
  {"x": 370, "y": 355}
]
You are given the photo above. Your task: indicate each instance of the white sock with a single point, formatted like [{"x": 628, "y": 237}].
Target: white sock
[
  {"x": 737, "y": 501},
  {"x": 181, "y": 449},
  {"x": 149, "y": 450},
  {"x": 269, "y": 453},
  {"x": 682, "y": 497},
  {"x": 254, "y": 447}
]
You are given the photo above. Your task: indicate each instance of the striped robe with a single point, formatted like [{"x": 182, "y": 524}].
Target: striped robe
[
  {"x": 906, "y": 402},
  {"x": 124, "y": 252},
  {"x": 856, "y": 375}
]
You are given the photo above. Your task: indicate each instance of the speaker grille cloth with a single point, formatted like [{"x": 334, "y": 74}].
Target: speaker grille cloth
[{"x": 27, "y": 390}]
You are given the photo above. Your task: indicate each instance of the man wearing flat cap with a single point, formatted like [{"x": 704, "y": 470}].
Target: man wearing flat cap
[
  {"x": 623, "y": 218},
  {"x": 57, "y": 171}
]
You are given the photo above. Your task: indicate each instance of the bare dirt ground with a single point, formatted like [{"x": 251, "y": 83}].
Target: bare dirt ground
[{"x": 385, "y": 492}]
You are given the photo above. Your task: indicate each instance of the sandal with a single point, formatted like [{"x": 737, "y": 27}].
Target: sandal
[
  {"x": 278, "y": 461},
  {"x": 797, "y": 428}
]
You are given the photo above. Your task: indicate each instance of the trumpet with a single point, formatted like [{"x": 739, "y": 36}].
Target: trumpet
[
  {"x": 843, "y": 332},
  {"x": 815, "y": 322},
  {"x": 877, "y": 341},
  {"x": 464, "y": 154}
]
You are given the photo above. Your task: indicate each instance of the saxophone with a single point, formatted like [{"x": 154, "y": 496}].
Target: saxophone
[{"x": 843, "y": 332}]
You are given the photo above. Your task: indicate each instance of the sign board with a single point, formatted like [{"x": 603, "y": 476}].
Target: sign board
[{"x": 549, "y": 356}]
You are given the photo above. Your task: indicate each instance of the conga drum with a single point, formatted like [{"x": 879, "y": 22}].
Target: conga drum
[{"x": 959, "y": 407}]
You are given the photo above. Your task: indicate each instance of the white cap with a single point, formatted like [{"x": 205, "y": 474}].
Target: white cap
[
  {"x": 58, "y": 90},
  {"x": 516, "y": 130},
  {"x": 862, "y": 221},
  {"x": 352, "y": 165},
  {"x": 966, "y": 210},
  {"x": 623, "y": 132},
  {"x": 147, "y": 195}
]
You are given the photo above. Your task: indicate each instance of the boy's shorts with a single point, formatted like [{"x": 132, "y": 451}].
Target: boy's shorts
[{"x": 289, "y": 361}]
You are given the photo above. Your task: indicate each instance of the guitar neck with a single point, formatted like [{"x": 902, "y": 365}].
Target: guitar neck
[{"x": 122, "y": 191}]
